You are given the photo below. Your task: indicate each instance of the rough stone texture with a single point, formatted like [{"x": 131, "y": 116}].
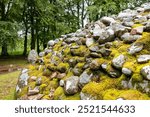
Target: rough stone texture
[
  {"x": 145, "y": 71},
  {"x": 71, "y": 85},
  {"x": 118, "y": 61},
  {"x": 33, "y": 56},
  {"x": 108, "y": 59}
]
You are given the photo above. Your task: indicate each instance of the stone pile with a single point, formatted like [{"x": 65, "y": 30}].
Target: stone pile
[{"x": 108, "y": 59}]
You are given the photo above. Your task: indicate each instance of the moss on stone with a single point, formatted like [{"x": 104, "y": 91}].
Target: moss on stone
[
  {"x": 23, "y": 92},
  {"x": 47, "y": 72},
  {"x": 130, "y": 65},
  {"x": 46, "y": 97},
  {"x": 73, "y": 97},
  {"x": 137, "y": 25},
  {"x": 80, "y": 65},
  {"x": 51, "y": 67},
  {"x": 59, "y": 93},
  {"x": 66, "y": 51},
  {"x": 54, "y": 83},
  {"x": 137, "y": 77},
  {"x": 63, "y": 67},
  {"x": 57, "y": 46}
]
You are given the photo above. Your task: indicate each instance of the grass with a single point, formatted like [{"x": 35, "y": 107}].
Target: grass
[{"x": 7, "y": 85}]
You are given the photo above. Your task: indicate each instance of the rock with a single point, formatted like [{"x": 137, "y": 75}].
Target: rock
[
  {"x": 47, "y": 51},
  {"x": 23, "y": 80},
  {"x": 81, "y": 33},
  {"x": 114, "y": 73},
  {"x": 61, "y": 75},
  {"x": 39, "y": 81},
  {"x": 33, "y": 78},
  {"x": 51, "y": 43},
  {"x": 128, "y": 24},
  {"x": 72, "y": 62},
  {"x": 94, "y": 65},
  {"x": 71, "y": 85},
  {"x": 35, "y": 97},
  {"x": 118, "y": 61},
  {"x": 33, "y": 92},
  {"x": 74, "y": 47},
  {"x": 84, "y": 96},
  {"x": 32, "y": 57},
  {"x": 128, "y": 38},
  {"x": 41, "y": 54},
  {"x": 85, "y": 78},
  {"x": 147, "y": 27},
  {"x": 61, "y": 83},
  {"x": 77, "y": 71},
  {"x": 137, "y": 30},
  {"x": 105, "y": 52},
  {"x": 107, "y": 20},
  {"x": 53, "y": 75},
  {"x": 144, "y": 86},
  {"x": 89, "y": 42},
  {"x": 119, "y": 29},
  {"x": 127, "y": 71},
  {"x": 95, "y": 55},
  {"x": 145, "y": 71},
  {"x": 71, "y": 40},
  {"x": 94, "y": 48},
  {"x": 143, "y": 58},
  {"x": 135, "y": 47},
  {"x": 124, "y": 84}
]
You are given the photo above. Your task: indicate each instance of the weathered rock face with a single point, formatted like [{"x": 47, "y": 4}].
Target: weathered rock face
[{"x": 108, "y": 59}]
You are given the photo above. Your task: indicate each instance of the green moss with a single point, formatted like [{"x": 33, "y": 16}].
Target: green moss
[
  {"x": 137, "y": 77},
  {"x": 23, "y": 92},
  {"x": 54, "y": 83},
  {"x": 145, "y": 40},
  {"x": 66, "y": 51},
  {"x": 72, "y": 97},
  {"x": 42, "y": 87},
  {"x": 57, "y": 46},
  {"x": 45, "y": 80},
  {"x": 111, "y": 94},
  {"x": 130, "y": 65},
  {"x": 96, "y": 89},
  {"x": 81, "y": 51},
  {"x": 51, "y": 67},
  {"x": 133, "y": 95},
  {"x": 47, "y": 72},
  {"x": 80, "y": 65},
  {"x": 59, "y": 93},
  {"x": 137, "y": 25},
  {"x": 46, "y": 97},
  {"x": 63, "y": 67}
]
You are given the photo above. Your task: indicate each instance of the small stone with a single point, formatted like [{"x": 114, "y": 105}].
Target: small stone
[
  {"x": 135, "y": 47},
  {"x": 71, "y": 85},
  {"x": 138, "y": 30},
  {"x": 39, "y": 81},
  {"x": 84, "y": 96},
  {"x": 72, "y": 62},
  {"x": 85, "y": 78},
  {"x": 32, "y": 57},
  {"x": 94, "y": 65},
  {"x": 77, "y": 71},
  {"x": 41, "y": 54},
  {"x": 105, "y": 52},
  {"x": 33, "y": 92},
  {"x": 51, "y": 43},
  {"x": 118, "y": 61},
  {"x": 35, "y": 97},
  {"x": 145, "y": 71},
  {"x": 107, "y": 20},
  {"x": 61, "y": 83},
  {"x": 54, "y": 75},
  {"x": 61, "y": 75},
  {"x": 89, "y": 42},
  {"x": 33, "y": 78},
  {"x": 127, "y": 71},
  {"x": 94, "y": 48},
  {"x": 143, "y": 58},
  {"x": 95, "y": 55}
]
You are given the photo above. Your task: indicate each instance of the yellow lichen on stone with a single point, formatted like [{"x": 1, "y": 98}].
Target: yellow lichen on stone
[
  {"x": 137, "y": 25},
  {"x": 59, "y": 93},
  {"x": 63, "y": 67}
]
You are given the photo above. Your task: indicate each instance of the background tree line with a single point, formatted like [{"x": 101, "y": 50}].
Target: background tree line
[{"x": 41, "y": 20}]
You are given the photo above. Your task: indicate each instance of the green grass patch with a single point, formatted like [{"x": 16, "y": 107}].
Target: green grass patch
[{"x": 7, "y": 85}]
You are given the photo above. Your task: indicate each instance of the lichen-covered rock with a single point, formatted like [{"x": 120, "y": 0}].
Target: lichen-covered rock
[
  {"x": 33, "y": 56},
  {"x": 71, "y": 85},
  {"x": 107, "y": 60},
  {"x": 145, "y": 71}
]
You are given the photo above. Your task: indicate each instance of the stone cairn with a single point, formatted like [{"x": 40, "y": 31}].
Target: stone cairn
[{"x": 107, "y": 60}]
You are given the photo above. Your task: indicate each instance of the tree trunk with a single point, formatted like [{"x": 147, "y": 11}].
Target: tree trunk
[
  {"x": 3, "y": 18},
  {"x": 25, "y": 42},
  {"x": 78, "y": 13},
  {"x": 32, "y": 29},
  {"x": 4, "y": 50},
  {"x": 82, "y": 16}
]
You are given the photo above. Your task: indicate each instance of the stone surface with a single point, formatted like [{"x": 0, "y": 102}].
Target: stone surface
[
  {"x": 33, "y": 56},
  {"x": 89, "y": 42},
  {"x": 85, "y": 78},
  {"x": 143, "y": 58},
  {"x": 71, "y": 85},
  {"x": 85, "y": 96},
  {"x": 135, "y": 47},
  {"x": 51, "y": 43},
  {"x": 118, "y": 61},
  {"x": 145, "y": 71},
  {"x": 127, "y": 71}
]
